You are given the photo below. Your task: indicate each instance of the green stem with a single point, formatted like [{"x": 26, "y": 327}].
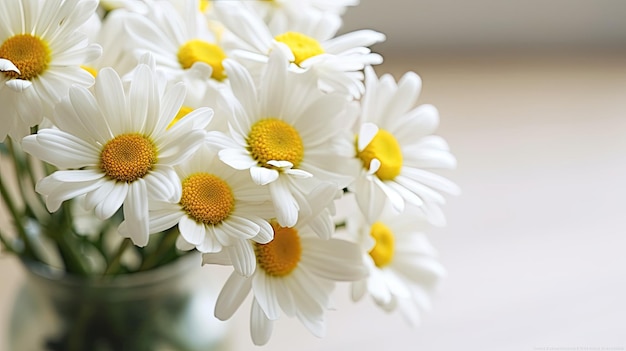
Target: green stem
[
  {"x": 60, "y": 230},
  {"x": 23, "y": 173},
  {"x": 114, "y": 265},
  {"x": 167, "y": 243},
  {"x": 5, "y": 242},
  {"x": 17, "y": 218}
]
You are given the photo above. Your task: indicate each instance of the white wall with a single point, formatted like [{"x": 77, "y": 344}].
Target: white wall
[{"x": 444, "y": 25}]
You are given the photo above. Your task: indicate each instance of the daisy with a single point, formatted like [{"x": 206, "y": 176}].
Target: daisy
[
  {"x": 336, "y": 61},
  {"x": 397, "y": 150},
  {"x": 179, "y": 41},
  {"x": 40, "y": 56},
  {"x": 219, "y": 208},
  {"x": 285, "y": 132},
  {"x": 296, "y": 273},
  {"x": 402, "y": 264},
  {"x": 114, "y": 147}
]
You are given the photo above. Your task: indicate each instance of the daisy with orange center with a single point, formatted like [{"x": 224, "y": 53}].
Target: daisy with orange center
[
  {"x": 220, "y": 209},
  {"x": 295, "y": 273},
  {"x": 114, "y": 147},
  {"x": 41, "y": 51},
  {"x": 287, "y": 134},
  {"x": 308, "y": 41},
  {"x": 181, "y": 41}
]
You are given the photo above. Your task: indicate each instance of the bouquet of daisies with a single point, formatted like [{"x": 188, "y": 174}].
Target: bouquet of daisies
[{"x": 136, "y": 131}]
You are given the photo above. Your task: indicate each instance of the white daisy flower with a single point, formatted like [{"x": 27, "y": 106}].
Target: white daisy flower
[
  {"x": 285, "y": 132},
  {"x": 402, "y": 264},
  {"x": 178, "y": 41},
  {"x": 115, "y": 147},
  {"x": 296, "y": 273},
  {"x": 40, "y": 56},
  {"x": 336, "y": 61},
  {"x": 219, "y": 208},
  {"x": 397, "y": 150}
]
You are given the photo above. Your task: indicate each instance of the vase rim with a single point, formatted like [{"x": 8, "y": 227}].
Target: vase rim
[{"x": 50, "y": 273}]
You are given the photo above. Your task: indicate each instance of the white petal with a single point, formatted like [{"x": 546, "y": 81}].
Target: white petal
[
  {"x": 364, "y": 37},
  {"x": 192, "y": 231},
  {"x": 395, "y": 199},
  {"x": 374, "y": 166},
  {"x": 370, "y": 198},
  {"x": 211, "y": 243},
  {"x": 378, "y": 288},
  {"x": 430, "y": 179},
  {"x": 164, "y": 184},
  {"x": 165, "y": 219},
  {"x": 57, "y": 192},
  {"x": 111, "y": 203},
  {"x": 61, "y": 149},
  {"x": 266, "y": 232},
  {"x": 7, "y": 65},
  {"x": 265, "y": 295},
  {"x": 358, "y": 290},
  {"x": 18, "y": 85},
  {"x": 334, "y": 259},
  {"x": 85, "y": 106},
  {"x": 263, "y": 176},
  {"x": 143, "y": 100},
  {"x": 242, "y": 257},
  {"x": 285, "y": 204},
  {"x": 366, "y": 134},
  {"x": 109, "y": 93},
  {"x": 220, "y": 140},
  {"x": 260, "y": 326},
  {"x": 237, "y": 158},
  {"x": 232, "y": 295},
  {"x": 280, "y": 163},
  {"x": 240, "y": 228},
  {"x": 285, "y": 299},
  {"x": 170, "y": 105},
  {"x": 79, "y": 175},
  {"x": 136, "y": 213},
  {"x": 405, "y": 97}
]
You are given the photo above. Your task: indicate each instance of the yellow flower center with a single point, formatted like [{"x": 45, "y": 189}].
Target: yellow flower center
[
  {"x": 203, "y": 5},
  {"x": 281, "y": 255},
  {"x": 274, "y": 139},
  {"x": 383, "y": 250},
  {"x": 31, "y": 55},
  {"x": 207, "y": 198},
  {"x": 302, "y": 46},
  {"x": 197, "y": 50},
  {"x": 386, "y": 149},
  {"x": 128, "y": 157},
  {"x": 91, "y": 70},
  {"x": 184, "y": 111}
]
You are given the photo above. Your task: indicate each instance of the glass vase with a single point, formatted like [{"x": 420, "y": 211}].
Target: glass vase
[{"x": 166, "y": 309}]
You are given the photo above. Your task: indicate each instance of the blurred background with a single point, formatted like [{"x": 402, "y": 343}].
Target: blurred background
[{"x": 532, "y": 99}]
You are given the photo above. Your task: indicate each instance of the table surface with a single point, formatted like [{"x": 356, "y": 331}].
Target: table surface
[{"x": 535, "y": 246}]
